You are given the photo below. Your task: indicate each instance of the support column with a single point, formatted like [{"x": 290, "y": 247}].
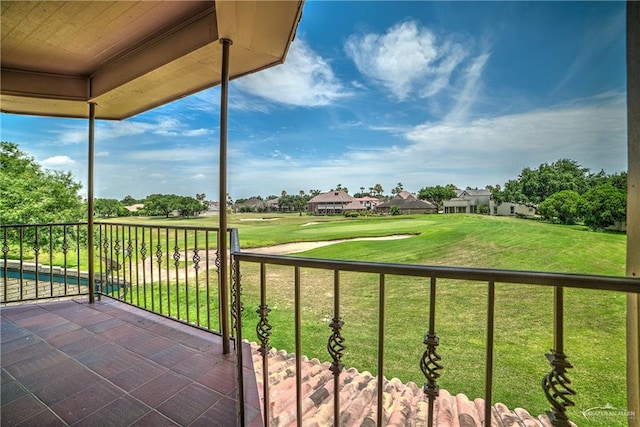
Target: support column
[
  {"x": 91, "y": 156},
  {"x": 222, "y": 234},
  {"x": 633, "y": 210}
]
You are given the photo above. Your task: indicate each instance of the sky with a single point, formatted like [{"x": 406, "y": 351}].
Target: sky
[{"x": 420, "y": 93}]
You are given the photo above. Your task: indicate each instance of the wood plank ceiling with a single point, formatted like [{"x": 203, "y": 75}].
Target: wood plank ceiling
[{"x": 131, "y": 56}]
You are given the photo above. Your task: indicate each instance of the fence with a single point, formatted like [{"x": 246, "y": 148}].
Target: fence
[
  {"x": 556, "y": 385},
  {"x": 169, "y": 270}
]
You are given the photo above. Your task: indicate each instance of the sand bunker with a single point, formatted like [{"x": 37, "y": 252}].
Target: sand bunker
[
  {"x": 258, "y": 219},
  {"x": 292, "y": 248}
]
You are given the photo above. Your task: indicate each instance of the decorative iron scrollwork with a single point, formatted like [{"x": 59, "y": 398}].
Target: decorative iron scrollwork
[
  {"x": 556, "y": 388},
  {"x": 236, "y": 288},
  {"x": 176, "y": 256},
  {"x": 196, "y": 259},
  {"x": 264, "y": 329},
  {"x": 143, "y": 251},
  {"x": 5, "y": 245},
  {"x": 36, "y": 247},
  {"x": 336, "y": 346},
  {"x": 65, "y": 246},
  {"x": 430, "y": 365},
  {"x": 129, "y": 249},
  {"x": 217, "y": 260},
  {"x": 159, "y": 255},
  {"x": 105, "y": 245}
]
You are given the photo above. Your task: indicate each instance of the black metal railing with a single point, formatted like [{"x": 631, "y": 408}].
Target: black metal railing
[
  {"x": 169, "y": 270},
  {"x": 42, "y": 261},
  {"x": 555, "y": 385}
]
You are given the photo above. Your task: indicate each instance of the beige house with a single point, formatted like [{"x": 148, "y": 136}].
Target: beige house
[
  {"x": 331, "y": 203},
  {"x": 511, "y": 209},
  {"x": 467, "y": 201}
]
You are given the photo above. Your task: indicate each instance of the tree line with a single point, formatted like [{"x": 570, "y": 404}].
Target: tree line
[
  {"x": 565, "y": 192},
  {"x": 562, "y": 191}
]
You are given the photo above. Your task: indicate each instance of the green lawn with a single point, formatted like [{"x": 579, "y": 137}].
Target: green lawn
[{"x": 594, "y": 320}]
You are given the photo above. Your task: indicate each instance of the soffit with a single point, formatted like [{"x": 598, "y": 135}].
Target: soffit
[{"x": 131, "y": 56}]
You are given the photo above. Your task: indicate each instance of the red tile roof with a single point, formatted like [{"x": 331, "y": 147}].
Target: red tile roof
[{"x": 404, "y": 404}]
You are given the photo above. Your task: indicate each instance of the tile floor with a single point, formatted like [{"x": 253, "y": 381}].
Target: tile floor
[{"x": 71, "y": 363}]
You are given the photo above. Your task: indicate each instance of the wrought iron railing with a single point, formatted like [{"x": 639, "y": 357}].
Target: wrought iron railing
[
  {"x": 169, "y": 270},
  {"x": 556, "y": 385},
  {"x": 42, "y": 261}
]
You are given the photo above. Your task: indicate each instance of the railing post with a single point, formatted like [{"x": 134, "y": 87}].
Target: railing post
[
  {"x": 237, "y": 324},
  {"x": 429, "y": 364},
  {"x": 263, "y": 330},
  {"x": 381, "y": 309},
  {"x": 556, "y": 383},
  {"x": 488, "y": 379},
  {"x": 336, "y": 347}
]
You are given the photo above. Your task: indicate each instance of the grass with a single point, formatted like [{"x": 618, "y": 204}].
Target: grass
[{"x": 595, "y": 321}]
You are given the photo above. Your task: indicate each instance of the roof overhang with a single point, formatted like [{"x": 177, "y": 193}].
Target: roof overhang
[{"x": 131, "y": 56}]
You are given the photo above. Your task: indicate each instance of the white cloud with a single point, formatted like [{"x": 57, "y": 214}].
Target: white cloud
[
  {"x": 477, "y": 152},
  {"x": 407, "y": 59},
  {"x": 102, "y": 154},
  {"x": 305, "y": 79},
  {"x": 58, "y": 161}
]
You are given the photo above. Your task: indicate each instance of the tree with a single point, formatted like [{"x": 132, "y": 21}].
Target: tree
[
  {"x": 378, "y": 189},
  {"x": 202, "y": 199},
  {"x": 30, "y": 194},
  {"x": 188, "y": 206},
  {"x": 108, "y": 208},
  {"x": 437, "y": 194},
  {"x": 395, "y": 210},
  {"x": 160, "y": 204},
  {"x": 603, "y": 206},
  {"x": 562, "y": 206},
  {"x": 548, "y": 179},
  {"x": 128, "y": 200}
]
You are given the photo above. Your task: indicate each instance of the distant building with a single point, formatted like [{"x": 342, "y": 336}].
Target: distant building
[
  {"x": 135, "y": 207},
  {"x": 408, "y": 204},
  {"x": 330, "y": 203},
  {"x": 252, "y": 205},
  {"x": 467, "y": 201},
  {"x": 511, "y": 209}
]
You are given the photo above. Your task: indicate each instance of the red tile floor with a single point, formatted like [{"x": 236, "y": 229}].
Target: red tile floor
[{"x": 110, "y": 364}]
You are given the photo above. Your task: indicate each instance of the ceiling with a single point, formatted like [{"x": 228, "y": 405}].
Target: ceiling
[{"x": 131, "y": 56}]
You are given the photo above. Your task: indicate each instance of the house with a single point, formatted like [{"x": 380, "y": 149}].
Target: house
[
  {"x": 511, "y": 209},
  {"x": 408, "y": 204},
  {"x": 368, "y": 202},
  {"x": 467, "y": 201},
  {"x": 272, "y": 205},
  {"x": 252, "y": 205},
  {"x": 330, "y": 203},
  {"x": 135, "y": 207}
]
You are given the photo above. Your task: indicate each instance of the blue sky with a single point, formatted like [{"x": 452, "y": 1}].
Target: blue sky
[{"x": 422, "y": 93}]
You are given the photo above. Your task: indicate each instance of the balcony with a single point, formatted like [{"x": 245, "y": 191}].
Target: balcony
[
  {"x": 94, "y": 360},
  {"x": 160, "y": 312}
]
